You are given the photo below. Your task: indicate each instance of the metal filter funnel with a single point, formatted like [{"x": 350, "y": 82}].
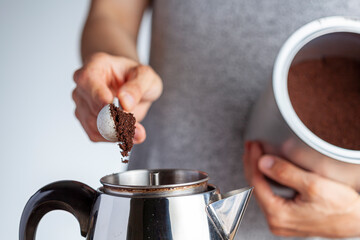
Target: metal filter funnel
[{"x": 155, "y": 182}]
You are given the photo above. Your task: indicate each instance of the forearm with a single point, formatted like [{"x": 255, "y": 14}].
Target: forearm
[
  {"x": 102, "y": 34},
  {"x": 112, "y": 27}
]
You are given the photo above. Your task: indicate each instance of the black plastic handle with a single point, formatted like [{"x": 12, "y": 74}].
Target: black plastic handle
[{"x": 71, "y": 196}]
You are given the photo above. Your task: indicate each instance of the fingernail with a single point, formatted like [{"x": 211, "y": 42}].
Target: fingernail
[
  {"x": 267, "y": 162},
  {"x": 127, "y": 100},
  {"x": 136, "y": 135},
  {"x": 140, "y": 134},
  {"x": 247, "y": 146}
]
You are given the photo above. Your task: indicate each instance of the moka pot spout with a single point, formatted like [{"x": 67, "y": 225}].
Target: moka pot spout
[{"x": 226, "y": 213}]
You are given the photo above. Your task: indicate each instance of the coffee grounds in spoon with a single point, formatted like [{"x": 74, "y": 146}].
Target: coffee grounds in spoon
[{"x": 125, "y": 129}]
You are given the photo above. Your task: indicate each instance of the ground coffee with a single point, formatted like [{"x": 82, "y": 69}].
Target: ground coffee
[
  {"x": 325, "y": 94},
  {"x": 125, "y": 129}
]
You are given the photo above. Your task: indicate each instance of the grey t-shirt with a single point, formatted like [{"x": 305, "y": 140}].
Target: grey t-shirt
[{"x": 215, "y": 58}]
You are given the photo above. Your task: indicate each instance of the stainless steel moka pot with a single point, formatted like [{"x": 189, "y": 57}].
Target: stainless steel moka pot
[
  {"x": 142, "y": 204},
  {"x": 275, "y": 123}
]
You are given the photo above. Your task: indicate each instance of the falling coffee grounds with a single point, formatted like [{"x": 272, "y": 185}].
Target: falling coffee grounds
[
  {"x": 325, "y": 94},
  {"x": 125, "y": 129}
]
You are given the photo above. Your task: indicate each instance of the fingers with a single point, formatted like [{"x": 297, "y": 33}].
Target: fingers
[
  {"x": 142, "y": 84},
  {"x": 276, "y": 209},
  {"x": 93, "y": 89},
  {"x": 267, "y": 199},
  {"x": 88, "y": 121},
  {"x": 313, "y": 211},
  {"x": 283, "y": 232},
  {"x": 86, "y": 118},
  {"x": 141, "y": 110},
  {"x": 140, "y": 133},
  {"x": 252, "y": 153},
  {"x": 286, "y": 173},
  {"x": 102, "y": 78}
]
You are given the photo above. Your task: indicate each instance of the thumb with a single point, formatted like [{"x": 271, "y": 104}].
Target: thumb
[
  {"x": 286, "y": 173},
  {"x": 141, "y": 84}
]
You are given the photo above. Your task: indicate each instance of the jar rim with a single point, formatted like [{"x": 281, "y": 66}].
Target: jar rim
[{"x": 304, "y": 35}]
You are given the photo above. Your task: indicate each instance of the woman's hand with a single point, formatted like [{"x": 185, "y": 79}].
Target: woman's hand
[
  {"x": 104, "y": 77},
  {"x": 321, "y": 207}
]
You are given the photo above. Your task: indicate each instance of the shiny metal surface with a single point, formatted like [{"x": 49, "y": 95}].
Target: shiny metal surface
[
  {"x": 174, "y": 217},
  {"x": 205, "y": 215},
  {"x": 155, "y": 182},
  {"x": 275, "y": 123},
  {"x": 105, "y": 124},
  {"x": 226, "y": 214},
  {"x": 106, "y": 127}
]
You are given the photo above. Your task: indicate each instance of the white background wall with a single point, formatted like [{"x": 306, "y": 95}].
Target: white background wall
[{"x": 40, "y": 139}]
